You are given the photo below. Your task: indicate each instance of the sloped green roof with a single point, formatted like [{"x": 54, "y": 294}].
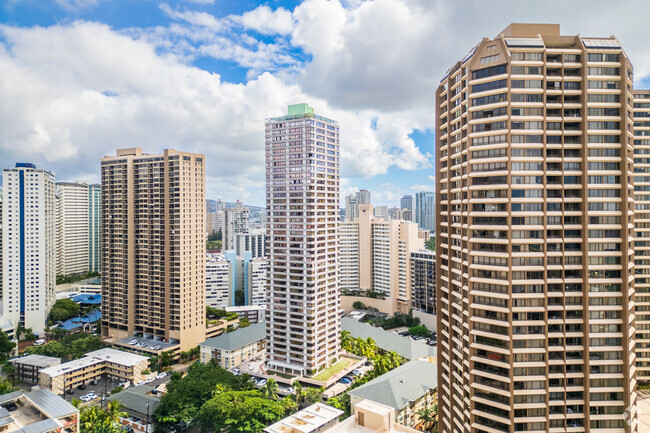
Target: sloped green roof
[
  {"x": 398, "y": 387},
  {"x": 238, "y": 338}
]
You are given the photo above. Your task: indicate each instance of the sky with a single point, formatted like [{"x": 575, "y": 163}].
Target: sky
[{"x": 82, "y": 78}]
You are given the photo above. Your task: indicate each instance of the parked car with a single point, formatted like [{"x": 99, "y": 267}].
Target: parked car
[
  {"x": 133, "y": 342},
  {"x": 161, "y": 375},
  {"x": 290, "y": 390},
  {"x": 39, "y": 342},
  {"x": 345, "y": 380},
  {"x": 94, "y": 382},
  {"x": 156, "y": 347},
  {"x": 70, "y": 391},
  {"x": 81, "y": 387},
  {"x": 357, "y": 372},
  {"x": 261, "y": 382},
  {"x": 11, "y": 407}
]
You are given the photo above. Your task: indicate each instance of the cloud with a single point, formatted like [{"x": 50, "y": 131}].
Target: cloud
[
  {"x": 200, "y": 19},
  {"x": 73, "y": 93},
  {"x": 267, "y": 21},
  {"x": 77, "y": 5}
]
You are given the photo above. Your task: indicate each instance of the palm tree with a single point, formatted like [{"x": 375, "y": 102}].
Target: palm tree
[
  {"x": 394, "y": 360},
  {"x": 298, "y": 393},
  {"x": 346, "y": 339},
  {"x": 243, "y": 382},
  {"x": 270, "y": 389},
  {"x": 426, "y": 416},
  {"x": 114, "y": 411},
  {"x": 90, "y": 417},
  {"x": 166, "y": 359}
]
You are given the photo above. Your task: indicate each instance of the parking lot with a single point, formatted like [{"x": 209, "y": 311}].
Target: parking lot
[{"x": 104, "y": 387}]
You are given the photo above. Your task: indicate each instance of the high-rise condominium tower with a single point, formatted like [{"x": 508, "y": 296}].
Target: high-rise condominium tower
[
  {"x": 302, "y": 203},
  {"x": 72, "y": 228},
  {"x": 535, "y": 265},
  {"x": 94, "y": 227},
  {"x": 29, "y": 245},
  {"x": 375, "y": 256},
  {"x": 235, "y": 220},
  {"x": 642, "y": 231},
  {"x": 425, "y": 210},
  {"x": 153, "y": 246}
]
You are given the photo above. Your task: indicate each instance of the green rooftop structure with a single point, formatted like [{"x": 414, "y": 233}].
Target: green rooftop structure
[{"x": 300, "y": 109}]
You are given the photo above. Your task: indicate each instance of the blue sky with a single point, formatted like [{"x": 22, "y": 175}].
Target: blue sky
[{"x": 82, "y": 78}]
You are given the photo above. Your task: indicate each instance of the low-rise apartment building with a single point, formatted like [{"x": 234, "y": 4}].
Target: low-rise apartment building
[
  {"x": 406, "y": 389},
  {"x": 28, "y": 367},
  {"x": 38, "y": 411},
  {"x": 120, "y": 365},
  {"x": 234, "y": 348}
]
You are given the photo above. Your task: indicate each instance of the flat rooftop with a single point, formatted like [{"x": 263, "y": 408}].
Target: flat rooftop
[
  {"x": 36, "y": 360},
  {"x": 120, "y": 357},
  {"x": 307, "y": 420}
]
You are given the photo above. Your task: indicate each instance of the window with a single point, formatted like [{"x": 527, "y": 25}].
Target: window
[{"x": 489, "y": 72}]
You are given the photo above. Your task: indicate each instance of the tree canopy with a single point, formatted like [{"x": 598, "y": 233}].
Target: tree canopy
[
  {"x": 239, "y": 411},
  {"x": 70, "y": 347},
  {"x": 186, "y": 395},
  {"x": 6, "y": 345},
  {"x": 64, "y": 309}
]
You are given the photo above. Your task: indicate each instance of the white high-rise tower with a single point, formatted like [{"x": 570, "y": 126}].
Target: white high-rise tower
[{"x": 302, "y": 202}]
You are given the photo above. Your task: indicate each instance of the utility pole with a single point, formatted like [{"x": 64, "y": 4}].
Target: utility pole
[{"x": 146, "y": 425}]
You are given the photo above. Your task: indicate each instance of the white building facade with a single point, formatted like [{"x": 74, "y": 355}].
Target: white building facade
[
  {"x": 29, "y": 245},
  {"x": 302, "y": 202},
  {"x": 72, "y": 228}
]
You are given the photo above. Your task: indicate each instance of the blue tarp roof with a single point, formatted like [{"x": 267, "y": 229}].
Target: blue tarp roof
[
  {"x": 78, "y": 322},
  {"x": 87, "y": 299}
]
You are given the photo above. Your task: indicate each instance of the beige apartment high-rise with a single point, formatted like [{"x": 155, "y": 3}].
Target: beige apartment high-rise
[
  {"x": 153, "y": 247},
  {"x": 302, "y": 204},
  {"x": 642, "y": 231},
  {"x": 375, "y": 255},
  {"x": 535, "y": 231}
]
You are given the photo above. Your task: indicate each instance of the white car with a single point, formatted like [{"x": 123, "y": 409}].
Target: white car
[
  {"x": 133, "y": 342},
  {"x": 39, "y": 342},
  {"x": 161, "y": 375},
  {"x": 142, "y": 382},
  {"x": 149, "y": 380},
  {"x": 261, "y": 382}
]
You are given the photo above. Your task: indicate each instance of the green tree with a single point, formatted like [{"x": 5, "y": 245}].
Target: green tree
[
  {"x": 6, "y": 387},
  {"x": 244, "y": 322},
  {"x": 270, "y": 389},
  {"x": 346, "y": 340},
  {"x": 431, "y": 244},
  {"x": 313, "y": 395},
  {"x": 243, "y": 382},
  {"x": 10, "y": 371},
  {"x": 6, "y": 345},
  {"x": 341, "y": 402},
  {"x": 29, "y": 334},
  {"x": 419, "y": 331},
  {"x": 114, "y": 411},
  {"x": 166, "y": 359},
  {"x": 186, "y": 395},
  {"x": 240, "y": 412},
  {"x": 64, "y": 309}
]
